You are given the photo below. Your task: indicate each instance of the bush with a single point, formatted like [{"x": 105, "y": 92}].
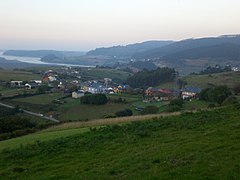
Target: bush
[
  {"x": 126, "y": 112},
  {"x": 97, "y": 99},
  {"x": 176, "y": 102},
  {"x": 150, "y": 110},
  {"x": 216, "y": 94}
]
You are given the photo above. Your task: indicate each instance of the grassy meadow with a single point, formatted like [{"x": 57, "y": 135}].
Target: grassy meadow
[
  {"x": 228, "y": 78},
  {"x": 42, "y": 99},
  {"x": 88, "y": 112},
  {"x": 202, "y": 145},
  {"x": 101, "y": 73},
  {"x": 203, "y": 81},
  {"x": 8, "y": 75}
]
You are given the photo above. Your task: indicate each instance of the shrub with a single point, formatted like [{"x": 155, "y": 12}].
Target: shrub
[
  {"x": 150, "y": 110},
  {"x": 125, "y": 112},
  {"x": 216, "y": 94}
]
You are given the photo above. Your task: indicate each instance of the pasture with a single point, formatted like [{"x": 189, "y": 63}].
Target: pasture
[{"x": 8, "y": 75}]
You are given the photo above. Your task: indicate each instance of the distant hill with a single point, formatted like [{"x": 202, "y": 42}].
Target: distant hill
[
  {"x": 222, "y": 51},
  {"x": 128, "y": 50},
  {"x": 188, "y": 45},
  {"x": 42, "y": 53}
]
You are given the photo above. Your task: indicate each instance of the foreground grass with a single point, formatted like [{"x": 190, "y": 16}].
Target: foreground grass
[
  {"x": 203, "y": 145},
  {"x": 40, "y": 136}
]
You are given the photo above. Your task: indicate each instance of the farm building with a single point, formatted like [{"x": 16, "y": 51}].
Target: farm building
[
  {"x": 190, "y": 92},
  {"x": 77, "y": 94}
]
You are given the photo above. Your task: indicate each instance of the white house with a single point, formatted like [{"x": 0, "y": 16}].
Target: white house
[{"x": 16, "y": 83}]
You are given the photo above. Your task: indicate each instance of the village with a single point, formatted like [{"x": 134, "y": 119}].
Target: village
[
  {"x": 69, "y": 81},
  {"x": 59, "y": 92}
]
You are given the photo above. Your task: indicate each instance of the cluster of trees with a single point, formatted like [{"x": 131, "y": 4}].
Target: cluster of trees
[
  {"x": 152, "y": 78},
  {"x": 97, "y": 99},
  {"x": 12, "y": 124},
  {"x": 216, "y": 69},
  {"x": 43, "y": 89},
  {"x": 215, "y": 94}
]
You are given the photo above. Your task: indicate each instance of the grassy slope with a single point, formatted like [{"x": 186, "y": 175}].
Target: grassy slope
[
  {"x": 227, "y": 78},
  {"x": 40, "y": 136},
  {"x": 191, "y": 146}
]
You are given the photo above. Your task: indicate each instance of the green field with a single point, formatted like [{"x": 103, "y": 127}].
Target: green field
[
  {"x": 8, "y": 75},
  {"x": 229, "y": 78},
  {"x": 42, "y": 99},
  {"x": 100, "y": 73},
  {"x": 10, "y": 92},
  {"x": 203, "y": 81},
  {"x": 203, "y": 145},
  {"x": 129, "y": 98},
  {"x": 77, "y": 111}
]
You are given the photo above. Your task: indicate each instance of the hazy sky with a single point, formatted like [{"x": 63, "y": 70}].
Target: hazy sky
[{"x": 86, "y": 24}]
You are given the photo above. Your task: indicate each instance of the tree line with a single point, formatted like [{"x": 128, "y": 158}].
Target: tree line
[{"x": 147, "y": 78}]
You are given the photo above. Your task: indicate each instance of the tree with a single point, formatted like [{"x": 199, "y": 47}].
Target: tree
[
  {"x": 147, "y": 78},
  {"x": 43, "y": 89},
  {"x": 175, "y": 105},
  {"x": 176, "y": 102},
  {"x": 97, "y": 99}
]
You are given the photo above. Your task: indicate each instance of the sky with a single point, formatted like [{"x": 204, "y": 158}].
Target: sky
[{"x": 86, "y": 24}]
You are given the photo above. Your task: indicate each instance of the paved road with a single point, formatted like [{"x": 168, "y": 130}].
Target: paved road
[{"x": 31, "y": 113}]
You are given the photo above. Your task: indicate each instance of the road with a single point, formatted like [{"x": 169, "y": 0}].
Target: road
[{"x": 31, "y": 113}]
